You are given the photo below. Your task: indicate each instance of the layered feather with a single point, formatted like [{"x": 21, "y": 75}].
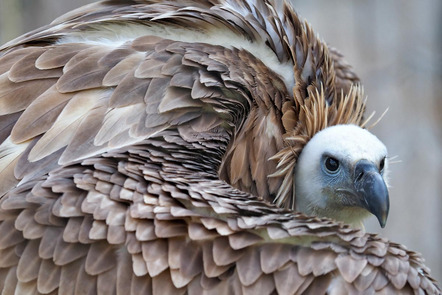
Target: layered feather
[{"x": 140, "y": 140}]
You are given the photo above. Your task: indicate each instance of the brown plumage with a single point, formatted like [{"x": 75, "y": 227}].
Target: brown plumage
[{"x": 142, "y": 143}]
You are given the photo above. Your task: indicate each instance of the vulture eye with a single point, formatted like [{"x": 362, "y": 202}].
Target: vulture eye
[
  {"x": 381, "y": 165},
  {"x": 331, "y": 165}
]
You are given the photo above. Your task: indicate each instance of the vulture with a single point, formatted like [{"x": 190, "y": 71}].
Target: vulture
[{"x": 190, "y": 147}]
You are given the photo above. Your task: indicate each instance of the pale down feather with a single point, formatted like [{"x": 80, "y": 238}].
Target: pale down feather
[{"x": 151, "y": 147}]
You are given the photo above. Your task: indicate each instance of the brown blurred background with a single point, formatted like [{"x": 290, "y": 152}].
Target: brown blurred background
[{"x": 396, "y": 48}]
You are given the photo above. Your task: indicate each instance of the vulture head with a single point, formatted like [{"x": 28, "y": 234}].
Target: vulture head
[
  {"x": 341, "y": 174},
  {"x": 332, "y": 166}
]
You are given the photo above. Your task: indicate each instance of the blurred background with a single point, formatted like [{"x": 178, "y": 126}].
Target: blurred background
[{"x": 396, "y": 48}]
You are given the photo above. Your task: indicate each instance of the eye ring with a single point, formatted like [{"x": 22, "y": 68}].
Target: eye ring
[{"x": 331, "y": 165}]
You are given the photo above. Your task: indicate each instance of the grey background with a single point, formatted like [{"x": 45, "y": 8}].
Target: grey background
[{"x": 395, "y": 47}]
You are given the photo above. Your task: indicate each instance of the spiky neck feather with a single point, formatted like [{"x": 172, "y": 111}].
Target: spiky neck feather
[{"x": 315, "y": 114}]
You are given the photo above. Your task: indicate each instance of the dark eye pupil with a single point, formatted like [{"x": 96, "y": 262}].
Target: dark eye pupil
[
  {"x": 331, "y": 164},
  {"x": 381, "y": 164}
]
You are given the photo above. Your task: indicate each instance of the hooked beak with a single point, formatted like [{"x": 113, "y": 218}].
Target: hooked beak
[{"x": 369, "y": 185}]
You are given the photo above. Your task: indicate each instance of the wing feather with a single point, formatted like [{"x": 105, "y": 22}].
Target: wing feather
[
  {"x": 68, "y": 277},
  {"x": 83, "y": 72},
  {"x": 30, "y": 262},
  {"x": 58, "y": 56},
  {"x": 48, "y": 277},
  {"x": 114, "y": 125},
  {"x": 15, "y": 97},
  {"x": 8, "y": 60},
  {"x": 64, "y": 128},
  {"x": 25, "y": 69},
  {"x": 9, "y": 157},
  {"x": 129, "y": 91},
  {"x": 82, "y": 144},
  {"x": 113, "y": 146},
  {"x": 115, "y": 75},
  {"x": 177, "y": 98},
  {"x": 7, "y": 124},
  {"x": 40, "y": 115}
]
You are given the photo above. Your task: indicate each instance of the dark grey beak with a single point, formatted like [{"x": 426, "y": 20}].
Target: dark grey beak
[{"x": 370, "y": 186}]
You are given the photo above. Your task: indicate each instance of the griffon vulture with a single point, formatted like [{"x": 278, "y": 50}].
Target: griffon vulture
[{"x": 156, "y": 147}]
